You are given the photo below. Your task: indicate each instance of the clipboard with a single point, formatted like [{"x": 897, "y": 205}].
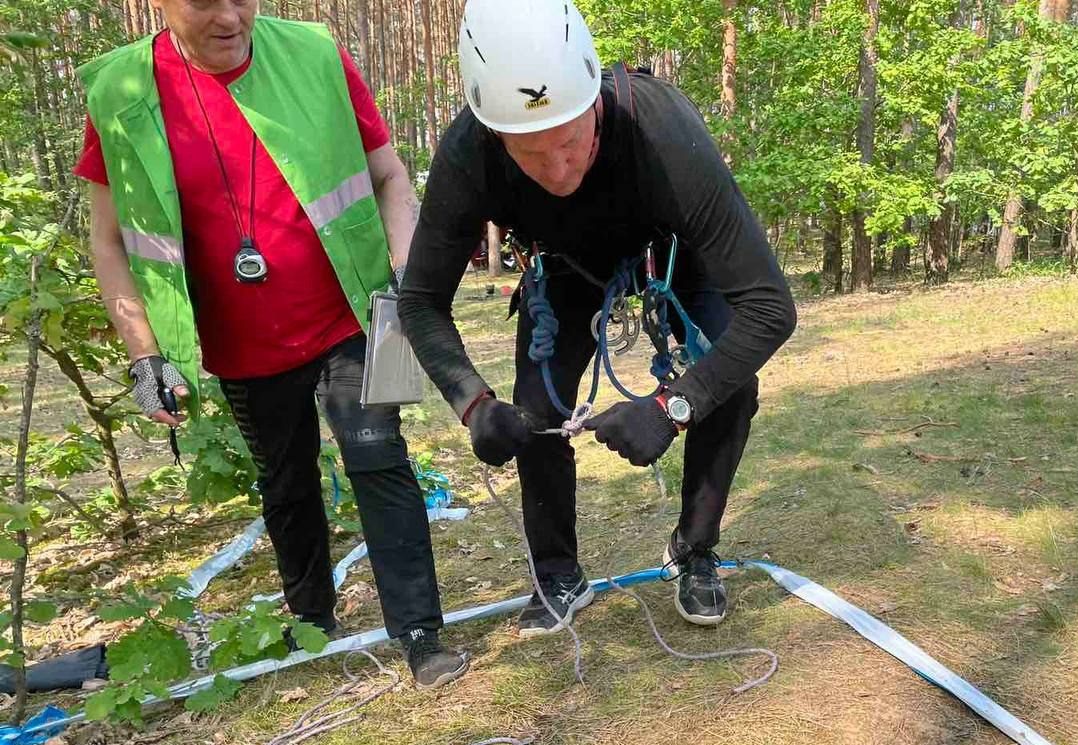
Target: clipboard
[{"x": 392, "y": 376}]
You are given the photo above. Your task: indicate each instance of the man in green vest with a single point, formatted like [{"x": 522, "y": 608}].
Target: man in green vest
[{"x": 244, "y": 194}]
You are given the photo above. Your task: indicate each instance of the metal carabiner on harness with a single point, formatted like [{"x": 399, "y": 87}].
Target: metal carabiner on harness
[{"x": 656, "y": 294}]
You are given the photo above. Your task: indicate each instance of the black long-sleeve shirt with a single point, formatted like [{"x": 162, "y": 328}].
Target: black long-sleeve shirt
[{"x": 662, "y": 171}]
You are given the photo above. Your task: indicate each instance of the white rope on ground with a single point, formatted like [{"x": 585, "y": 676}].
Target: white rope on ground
[
  {"x": 306, "y": 727},
  {"x": 660, "y": 481},
  {"x": 717, "y": 655},
  {"x": 578, "y": 663}
]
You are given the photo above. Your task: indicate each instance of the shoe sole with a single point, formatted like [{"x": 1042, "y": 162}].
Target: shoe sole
[
  {"x": 444, "y": 678},
  {"x": 693, "y": 618},
  {"x": 580, "y": 603}
]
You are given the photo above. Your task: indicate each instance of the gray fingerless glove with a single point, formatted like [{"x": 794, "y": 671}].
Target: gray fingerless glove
[{"x": 152, "y": 376}]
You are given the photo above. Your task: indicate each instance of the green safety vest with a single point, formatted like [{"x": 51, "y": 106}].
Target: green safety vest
[{"x": 295, "y": 97}]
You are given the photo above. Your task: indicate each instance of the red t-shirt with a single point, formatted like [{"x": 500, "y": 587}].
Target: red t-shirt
[{"x": 299, "y": 311}]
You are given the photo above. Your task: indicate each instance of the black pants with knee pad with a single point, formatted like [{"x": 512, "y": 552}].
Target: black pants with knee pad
[
  {"x": 278, "y": 417},
  {"x": 713, "y": 446}
]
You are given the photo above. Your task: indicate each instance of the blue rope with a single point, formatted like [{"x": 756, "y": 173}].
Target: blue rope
[
  {"x": 544, "y": 335},
  {"x": 545, "y": 332},
  {"x": 618, "y": 285}
]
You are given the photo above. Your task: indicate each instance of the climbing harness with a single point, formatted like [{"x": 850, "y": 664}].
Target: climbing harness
[{"x": 656, "y": 296}]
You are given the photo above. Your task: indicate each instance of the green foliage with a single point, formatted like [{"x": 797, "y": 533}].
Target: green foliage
[
  {"x": 220, "y": 465},
  {"x": 223, "y": 689},
  {"x": 259, "y": 632},
  {"x": 144, "y": 661}
]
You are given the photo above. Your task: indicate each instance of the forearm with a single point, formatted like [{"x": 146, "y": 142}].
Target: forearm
[
  {"x": 121, "y": 298},
  {"x": 399, "y": 208},
  {"x": 122, "y": 301}
]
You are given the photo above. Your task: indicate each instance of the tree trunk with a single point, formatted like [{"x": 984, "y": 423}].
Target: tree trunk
[
  {"x": 40, "y": 153},
  {"x": 1012, "y": 212},
  {"x": 939, "y": 229},
  {"x": 428, "y": 72},
  {"x": 832, "y": 247},
  {"x": 861, "y": 265},
  {"x": 103, "y": 424},
  {"x": 1071, "y": 251},
  {"x": 18, "y": 577},
  {"x": 900, "y": 256},
  {"x": 494, "y": 250},
  {"x": 363, "y": 29},
  {"x": 729, "y": 60}
]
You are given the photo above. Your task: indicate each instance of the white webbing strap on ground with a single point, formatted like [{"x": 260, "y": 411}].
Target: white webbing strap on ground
[
  {"x": 870, "y": 628},
  {"x": 224, "y": 559},
  {"x": 890, "y": 641},
  {"x": 360, "y": 552}
]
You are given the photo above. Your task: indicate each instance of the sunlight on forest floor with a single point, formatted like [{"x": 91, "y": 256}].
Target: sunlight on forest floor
[{"x": 916, "y": 452}]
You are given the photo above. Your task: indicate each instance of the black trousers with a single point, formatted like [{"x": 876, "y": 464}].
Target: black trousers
[
  {"x": 713, "y": 447},
  {"x": 279, "y": 420}
]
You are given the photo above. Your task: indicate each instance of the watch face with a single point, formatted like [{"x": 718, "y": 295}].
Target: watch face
[{"x": 679, "y": 409}]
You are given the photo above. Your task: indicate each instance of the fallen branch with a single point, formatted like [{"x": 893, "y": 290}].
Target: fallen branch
[
  {"x": 930, "y": 458},
  {"x": 929, "y": 422},
  {"x": 99, "y": 526}
]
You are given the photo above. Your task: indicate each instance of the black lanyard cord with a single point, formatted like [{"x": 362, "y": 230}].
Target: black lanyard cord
[{"x": 249, "y": 233}]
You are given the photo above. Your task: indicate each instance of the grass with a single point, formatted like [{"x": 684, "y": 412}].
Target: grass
[{"x": 915, "y": 452}]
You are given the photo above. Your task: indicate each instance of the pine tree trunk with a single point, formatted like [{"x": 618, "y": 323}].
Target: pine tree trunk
[
  {"x": 861, "y": 264},
  {"x": 1072, "y": 242},
  {"x": 832, "y": 248},
  {"x": 428, "y": 74},
  {"x": 939, "y": 229},
  {"x": 729, "y": 60},
  {"x": 1012, "y": 212}
]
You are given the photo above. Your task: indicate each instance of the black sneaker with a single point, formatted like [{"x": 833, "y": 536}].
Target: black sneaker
[
  {"x": 700, "y": 596},
  {"x": 432, "y": 665},
  {"x": 566, "y": 593}
]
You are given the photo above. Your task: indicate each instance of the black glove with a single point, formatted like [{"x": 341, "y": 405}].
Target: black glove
[
  {"x": 155, "y": 378},
  {"x": 639, "y": 431},
  {"x": 499, "y": 431}
]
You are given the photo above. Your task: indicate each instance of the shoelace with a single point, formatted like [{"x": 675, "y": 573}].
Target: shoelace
[
  {"x": 693, "y": 559},
  {"x": 422, "y": 648}
]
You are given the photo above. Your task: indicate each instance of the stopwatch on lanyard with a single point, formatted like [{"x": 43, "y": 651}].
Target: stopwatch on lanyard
[{"x": 249, "y": 265}]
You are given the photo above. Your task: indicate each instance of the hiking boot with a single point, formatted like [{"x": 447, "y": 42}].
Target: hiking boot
[
  {"x": 700, "y": 596},
  {"x": 566, "y": 593},
  {"x": 432, "y": 665}
]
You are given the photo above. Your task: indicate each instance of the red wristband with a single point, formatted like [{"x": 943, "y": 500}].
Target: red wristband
[
  {"x": 468, "y": 412},
  {"x": 661, "y": 399}
]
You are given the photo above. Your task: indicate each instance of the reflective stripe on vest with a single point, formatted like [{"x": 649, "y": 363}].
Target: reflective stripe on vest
[
  {"x": 153, "y": 247},
  {"x": 329, "y": 207}
]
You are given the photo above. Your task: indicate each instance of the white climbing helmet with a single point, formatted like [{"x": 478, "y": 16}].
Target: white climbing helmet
[{"x": 527, "y": 65}]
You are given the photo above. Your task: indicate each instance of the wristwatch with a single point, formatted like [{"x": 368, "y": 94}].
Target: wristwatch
[{"x": 678, "y": 409}]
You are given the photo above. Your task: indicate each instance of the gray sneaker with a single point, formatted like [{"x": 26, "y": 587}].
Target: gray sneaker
[
  {"x": 566, "y": 593},
  {"x": 432, "y": 665}
]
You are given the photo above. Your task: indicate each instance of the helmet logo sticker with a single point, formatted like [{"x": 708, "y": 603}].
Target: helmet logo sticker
[{"x": 539, "y": 98}]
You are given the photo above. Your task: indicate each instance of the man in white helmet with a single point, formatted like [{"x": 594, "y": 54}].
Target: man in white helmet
[{"x": 590, "y": 167}]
